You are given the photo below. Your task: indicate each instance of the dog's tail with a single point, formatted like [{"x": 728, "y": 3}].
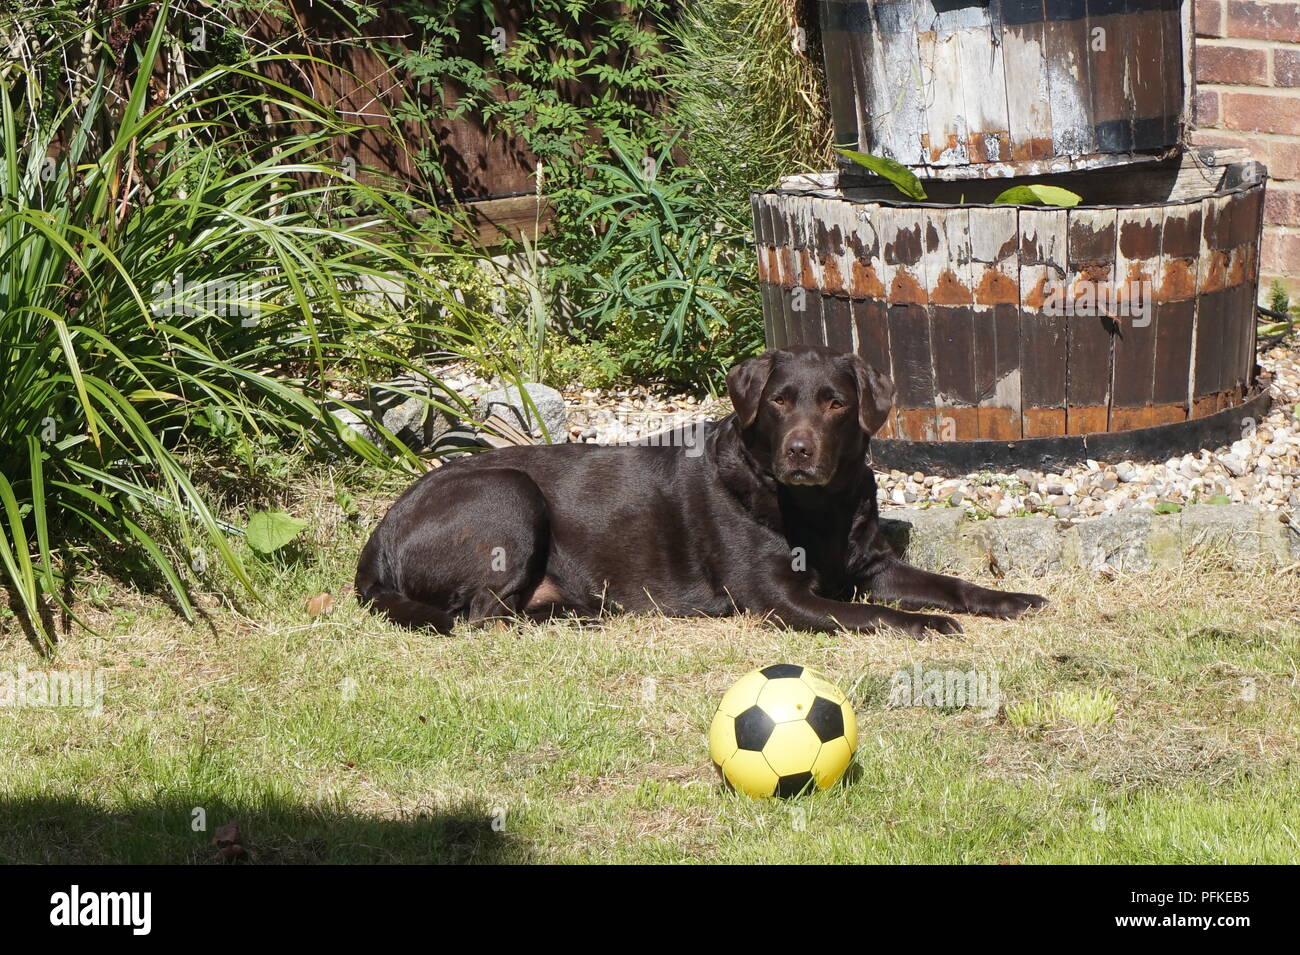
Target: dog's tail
[{"x": 374, "y": 589}]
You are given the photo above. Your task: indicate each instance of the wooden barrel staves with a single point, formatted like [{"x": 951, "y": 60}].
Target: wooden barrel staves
[
  {"x": 975, "y": 88},
  {"x": 1005, "y": 324}
]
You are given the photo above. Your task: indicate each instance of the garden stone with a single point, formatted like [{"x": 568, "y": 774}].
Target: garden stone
[
  {"x": 1118, "y": 541},
  {"x": 925, "y": 537},
  {"x": 1026, "y": 545},
  {"x": 1231, "y": 526},
  {"x": 1165, "y": 545},
  {"x": 402, "y": 406},
  {"x": 355, "y": 422},
  {"x": 508, "y": 404}
]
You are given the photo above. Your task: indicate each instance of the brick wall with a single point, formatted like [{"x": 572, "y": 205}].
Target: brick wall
[{"x": 1248, "y": 94}]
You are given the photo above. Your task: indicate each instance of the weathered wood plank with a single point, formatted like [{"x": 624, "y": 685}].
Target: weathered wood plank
[
  {"x": 1024, "y": 56},
  {"x": 984, "y": 87},
  {"x": 1068, "y": 79},
  {"x": 1150, "y": 125},
  {"x": 995, "y": 287},
  {"x": 899, "y": 122},
  {"x": 952, "y": 330},
  {"x": 1043, "y": 245},
  {"x": 1213, "y": 303},
  {"x": 945, "y": 135},
  {"x": 902, "y": 237},
  {"x": 1092, "y": 238},
  {"x": 1176, "y": 311},
  {"x": 1137, "y": 262},
  {"x": 1111, "y": 51}
]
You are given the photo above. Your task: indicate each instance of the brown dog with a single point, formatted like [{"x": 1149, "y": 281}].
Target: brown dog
[{"x": 774, "y": 515}]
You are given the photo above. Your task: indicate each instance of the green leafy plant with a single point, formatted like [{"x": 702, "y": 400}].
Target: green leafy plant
[
  {"x": 1038, "y": 195},
  {"x": 1279, "y": 299},
  {"x": 665, "y": 264},
  {"x": 269, "y": 531},
  {"x": 904, "y": 179},
  {"x": 166, "y": 282}
]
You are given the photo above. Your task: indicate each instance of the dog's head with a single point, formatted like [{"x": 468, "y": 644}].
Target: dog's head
[{"x": 805, "y": 411}]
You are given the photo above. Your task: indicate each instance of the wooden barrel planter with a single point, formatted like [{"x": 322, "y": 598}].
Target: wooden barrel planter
[
  {"x": 982, "y": 314},
  {"x": 987, "y": 88}
]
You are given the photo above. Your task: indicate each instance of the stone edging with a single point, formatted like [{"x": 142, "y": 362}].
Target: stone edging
[{"x": 1133, "y": 540}]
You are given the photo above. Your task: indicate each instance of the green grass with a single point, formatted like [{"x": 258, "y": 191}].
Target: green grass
[{"x": 1164, "y": 729}]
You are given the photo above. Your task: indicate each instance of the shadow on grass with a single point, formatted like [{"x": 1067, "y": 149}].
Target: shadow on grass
[{"x": 63, "y": 830}]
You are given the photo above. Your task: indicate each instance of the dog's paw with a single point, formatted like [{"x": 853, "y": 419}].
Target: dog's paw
[
  {"x": 1008, "y": 606},
  {"x": 923, "y": 625}
]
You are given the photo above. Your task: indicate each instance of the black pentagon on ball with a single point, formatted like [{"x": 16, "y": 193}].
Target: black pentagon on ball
[
  {"x": 826, "y": 719},
  {"x": 793, "y": 784},
  {"x": 779, "y": 671},
  {"x": 753, "y": 727}
]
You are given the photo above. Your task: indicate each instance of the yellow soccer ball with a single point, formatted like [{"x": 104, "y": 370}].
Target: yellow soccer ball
[{"x": 782, "y": 730}]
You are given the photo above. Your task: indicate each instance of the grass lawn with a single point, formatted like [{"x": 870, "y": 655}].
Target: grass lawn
[{"x": 344, "y": 739}]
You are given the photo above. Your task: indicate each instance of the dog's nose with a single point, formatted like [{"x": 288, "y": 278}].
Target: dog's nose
[{"x": 799, "y": 449}]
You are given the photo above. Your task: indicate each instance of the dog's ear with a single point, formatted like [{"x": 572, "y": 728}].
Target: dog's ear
[
  {"x": 745, "y": 385},
  {"x": 875, "y": 395}
]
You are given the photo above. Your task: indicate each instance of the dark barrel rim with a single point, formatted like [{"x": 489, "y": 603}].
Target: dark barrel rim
[
  {"x": 1245, "y": 176},
  {"x": 1157, "y": 443}
]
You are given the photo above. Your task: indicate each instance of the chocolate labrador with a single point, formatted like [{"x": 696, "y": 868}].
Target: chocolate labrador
[{"x": 773, "y": 513}]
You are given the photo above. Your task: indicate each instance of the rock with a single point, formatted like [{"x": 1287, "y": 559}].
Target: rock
[
  {"x": 508, "y": 404},
  {"x": 1028, "y": 545},
  {"x": 1118, "y": 541},
  {"x": 403, "y": 406},
  {"x": 926, "y": 538},
  {"x": 1236, "y": 466},
  {"x": 355, "y": 422},
  {"x": 1231, "y": 526}
]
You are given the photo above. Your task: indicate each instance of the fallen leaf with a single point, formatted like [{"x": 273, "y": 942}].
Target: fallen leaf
[{"x": 320, "y": 605}]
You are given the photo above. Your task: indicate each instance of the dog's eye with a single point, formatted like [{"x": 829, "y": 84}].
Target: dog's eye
[
  {"x": 778, "y": 399},
  {"x": 836, "y": 404}
]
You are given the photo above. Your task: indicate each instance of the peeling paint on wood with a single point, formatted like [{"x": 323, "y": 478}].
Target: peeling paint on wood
[
  {"x": 955, "y": 302},
  {"x": 947, "y": 86}
]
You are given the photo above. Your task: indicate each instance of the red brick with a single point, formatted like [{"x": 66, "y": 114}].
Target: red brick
[
  {"x": 1231, "y": 64},
  {"x": 1284, "y": 161},
  {"x": 1281, "y": 253},
  {"x": 1209, "y": 17},
  {"x": 1207, "y": 108},
  {"x": 1286, "y": 67},
  {"x": 1261, "y": 112},
  {"x": 1282, "y": 205},
  {"x": 1264, "y": 21}
]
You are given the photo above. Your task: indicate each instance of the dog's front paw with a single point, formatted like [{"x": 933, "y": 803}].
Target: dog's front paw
[
  {"x": 923, "y": 625},
  {"x": 1007, "y": 605}
]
